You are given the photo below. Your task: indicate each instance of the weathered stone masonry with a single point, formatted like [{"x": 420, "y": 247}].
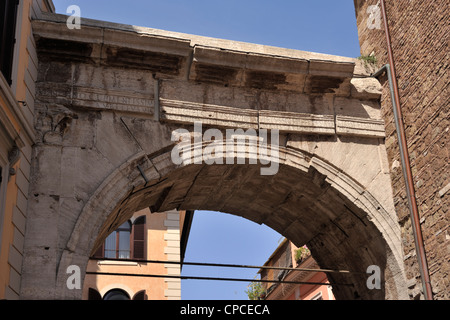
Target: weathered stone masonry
[{"x": 108, "y": 97}]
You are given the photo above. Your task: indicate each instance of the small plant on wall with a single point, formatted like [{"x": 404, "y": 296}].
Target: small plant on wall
[
  {"x": 302, "y": 253},
  {"x": 255, "y": 291},
  {"x": 370, "y": 61}
]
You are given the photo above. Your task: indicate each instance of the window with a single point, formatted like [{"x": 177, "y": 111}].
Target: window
[
  {"x": 116, "y": 294},
  {"x": 117, "y": 244},
  {"x": 127, "y": 242},
  {"x": 8, "y": 14},
  {"x": 139, "y": 238}
]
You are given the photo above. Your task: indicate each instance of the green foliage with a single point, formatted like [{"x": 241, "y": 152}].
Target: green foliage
[
  {"x": 255, "y": 291},
  {"x": 302, "y": 253},
  {"x": 370, "y": 59}
]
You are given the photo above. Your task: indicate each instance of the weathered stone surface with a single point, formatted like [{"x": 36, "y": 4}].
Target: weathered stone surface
[
  {"x": 357, "y": 126},
  {"x": 366, "y": 88},
  {"x": 105, "y": 120}
]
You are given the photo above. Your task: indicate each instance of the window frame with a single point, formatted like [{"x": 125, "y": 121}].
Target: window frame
[
  {"x": 117, "y": 249},
  {"x": 139, "y": 221},
  {"x": 17, "y": 46},
  {"x": 8, "y": 38}
]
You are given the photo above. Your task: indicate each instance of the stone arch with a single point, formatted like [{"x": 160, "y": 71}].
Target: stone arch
[
  {"x": 108, "y": 98},
  {"x": 345, "y": 226}
]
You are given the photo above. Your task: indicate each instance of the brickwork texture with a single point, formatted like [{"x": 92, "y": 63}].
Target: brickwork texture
[{"x": 420, "y": 36}]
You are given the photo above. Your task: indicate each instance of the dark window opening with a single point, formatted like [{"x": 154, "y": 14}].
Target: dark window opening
[
  {"x": 116, "y": 294},
  {"x": 8, "y": 16}
]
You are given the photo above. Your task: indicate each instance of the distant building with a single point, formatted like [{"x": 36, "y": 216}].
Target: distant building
[
  {"x": 287, "y": 255},
  {"x": 146, "y": 236}
]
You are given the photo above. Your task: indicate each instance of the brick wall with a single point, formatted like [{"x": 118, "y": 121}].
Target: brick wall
[{"x": 420, "y": 35}]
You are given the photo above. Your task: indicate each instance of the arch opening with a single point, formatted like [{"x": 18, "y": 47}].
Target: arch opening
[{"x": 300, "y": 202}]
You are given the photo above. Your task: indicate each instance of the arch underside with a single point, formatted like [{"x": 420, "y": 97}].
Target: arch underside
[{"x": 343, "y": 226}]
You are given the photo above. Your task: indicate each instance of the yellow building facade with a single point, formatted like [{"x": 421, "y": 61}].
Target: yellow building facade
[
  {"x": 134, "y": 260},
  {"x": 19, "y": 65}
]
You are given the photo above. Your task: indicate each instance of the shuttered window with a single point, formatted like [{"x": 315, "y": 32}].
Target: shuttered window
[
  {"x": 94, "y": 294},
  {"x": 8, "y": 14},
  {"x": 128, "y": 241},
  {"x": 138, "y": 236},
  {"x": 141, "y": 295},
  {"x": 100, "y": 252}
]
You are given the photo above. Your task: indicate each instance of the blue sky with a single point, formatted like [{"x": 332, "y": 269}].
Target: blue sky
[{"x": 324, "y": 26}]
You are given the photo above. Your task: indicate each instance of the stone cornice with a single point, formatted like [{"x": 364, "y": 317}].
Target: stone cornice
[
  {"x": 313, "y": 80},
  {"x": 200, "y": 59},
  {"x": 196, "y": 40}
]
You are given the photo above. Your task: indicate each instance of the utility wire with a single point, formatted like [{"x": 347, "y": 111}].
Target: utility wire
[
  {"x": 233, "y": 266},
  {"x": 216, "y": 279}
]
